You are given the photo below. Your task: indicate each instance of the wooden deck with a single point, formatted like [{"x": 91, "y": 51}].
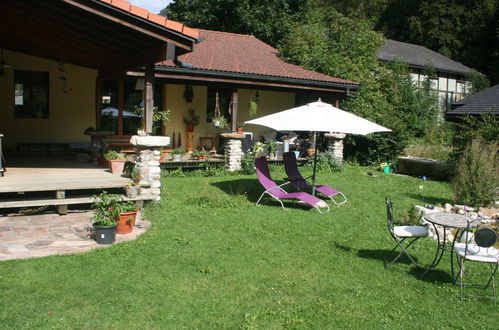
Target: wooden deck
[
  {"x": 25, "y": 174},
  {"x": 55, "y": 181}
]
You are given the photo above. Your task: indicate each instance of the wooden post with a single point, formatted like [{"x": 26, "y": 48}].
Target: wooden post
[
  {"x": 148, "y": 96},
  {"x": 98, "y": 102},
  {"x": 61, "y": 209},
  {"x": 234, "y": 111}
]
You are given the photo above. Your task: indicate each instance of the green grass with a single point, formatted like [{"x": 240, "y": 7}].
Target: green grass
[{"x": 214, "y": 260}]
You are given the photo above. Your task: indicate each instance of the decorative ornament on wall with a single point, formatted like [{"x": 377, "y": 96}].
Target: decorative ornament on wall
[
  {"x": 63, "y": 77},
  {"x": 188, "y": 93}
]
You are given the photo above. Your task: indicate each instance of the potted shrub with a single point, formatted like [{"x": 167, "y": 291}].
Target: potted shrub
[
  {"x": 272, "y": 149},
  {"x": 116, "y": 161},
  {"x": 177, "y": 154},
  {"x": 126, "y": 216},
  {"x": 240, "y": 128},
  {"x": 164, "y": 152},
  {"x": 220, "y": 122},
  {"x": 191, "y": 121},
  {"x": 200, "y": 155},
  {"x": 104, "y": 218}
]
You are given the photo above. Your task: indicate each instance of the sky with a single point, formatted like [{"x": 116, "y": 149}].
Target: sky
[{"x": 153, "y": 6}]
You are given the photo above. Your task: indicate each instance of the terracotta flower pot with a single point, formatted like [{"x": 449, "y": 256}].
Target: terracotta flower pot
[
  {"x": 310, "y": 152},
  {"x": 239, "y": 130},
  {"x": 126, "y": 221},
  {"x": 116, "y": 166}
]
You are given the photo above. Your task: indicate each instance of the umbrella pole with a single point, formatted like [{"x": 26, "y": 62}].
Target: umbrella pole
[{"x": 315, "y": 164}]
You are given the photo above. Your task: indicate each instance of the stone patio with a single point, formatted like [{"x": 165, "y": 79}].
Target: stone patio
[{"x": 34, "y": 236}]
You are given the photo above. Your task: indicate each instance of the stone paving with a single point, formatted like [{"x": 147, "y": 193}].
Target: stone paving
[{"x": 34, "y": 236}]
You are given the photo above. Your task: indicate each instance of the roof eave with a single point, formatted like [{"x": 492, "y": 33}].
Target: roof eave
[
  {"x": 416, "y": 66},
  {"x": 256, "y": 77}
]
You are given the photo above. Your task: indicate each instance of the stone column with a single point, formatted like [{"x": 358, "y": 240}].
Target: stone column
[
  {"x": 147, "y": 152},
  {"x": 233, "y": 151},
  {"x": 335, "y": 144}
]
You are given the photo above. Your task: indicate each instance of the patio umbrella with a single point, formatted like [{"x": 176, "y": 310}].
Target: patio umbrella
[{"x": 318, "y": 117}]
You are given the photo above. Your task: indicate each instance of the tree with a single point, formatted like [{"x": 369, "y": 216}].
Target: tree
[
  {"x": 266, "y": 20},
  {"x": 345, "y": 47}
]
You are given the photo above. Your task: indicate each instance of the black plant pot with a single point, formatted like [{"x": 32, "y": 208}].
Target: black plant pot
[{"x": 105, "y": 234}]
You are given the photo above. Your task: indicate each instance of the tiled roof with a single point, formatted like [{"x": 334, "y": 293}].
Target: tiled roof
[
  {"x": 480, "y": 103},
  {"x": 244, "y": 54},
  {"x": 154, "y": 18},
  {"x": 419, "y": 56}
]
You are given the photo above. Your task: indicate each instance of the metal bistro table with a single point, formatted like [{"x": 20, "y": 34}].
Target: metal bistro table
[{"x": 447, "y": 221}]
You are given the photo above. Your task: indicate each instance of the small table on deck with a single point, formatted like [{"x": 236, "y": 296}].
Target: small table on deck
[{"x": 447, "y": 221}]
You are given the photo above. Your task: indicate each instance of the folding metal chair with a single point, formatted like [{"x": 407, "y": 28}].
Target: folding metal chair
[
  {"x": 479, "y": 246},
  {"x": 402, "y": 233}
]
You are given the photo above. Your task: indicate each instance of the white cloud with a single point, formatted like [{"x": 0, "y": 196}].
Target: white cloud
[{"x": 153, "y": 6}]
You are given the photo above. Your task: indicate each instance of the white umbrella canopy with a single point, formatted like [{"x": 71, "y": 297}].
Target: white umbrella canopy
[{"x": 318, "y": 117}]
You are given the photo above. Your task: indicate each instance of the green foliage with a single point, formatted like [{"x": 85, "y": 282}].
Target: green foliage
[
  {"x": 114, "y": 155},
  {"x": 106, "y": 208},
  {"x": 476, "y": 182},
  {"x": 266, "y": 20},
  {"x": 192, "y": 119},
  {"x": 326, "y": 162},
  {"x": 486, "y": 126},
  {"x": 412, "y": 217},
  {"x": 272, "y": 146},
  {"x": 475, "y": 82},
  {"x": 158, "y": 116},
  {"x": 248, "y": 163},
  {"x": 177, "y": 152}
]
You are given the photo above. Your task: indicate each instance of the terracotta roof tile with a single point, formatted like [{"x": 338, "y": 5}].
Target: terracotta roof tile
[
  {"x": 144, "y": 13},
  {"x": 230, "y": 52},
  {"x": 122, "y": 4},
  {"x": 157, "y": 19}
]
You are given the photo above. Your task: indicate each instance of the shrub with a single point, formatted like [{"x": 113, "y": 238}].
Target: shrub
[
  {"x": 412, "y": 217},
  {"x": 477, "y": 175},
  {"x": 248, "y": 163},
  {"x": 327, "y": 162}
]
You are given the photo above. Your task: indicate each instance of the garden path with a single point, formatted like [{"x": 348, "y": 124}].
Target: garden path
[{"x": 33, "y": 236}]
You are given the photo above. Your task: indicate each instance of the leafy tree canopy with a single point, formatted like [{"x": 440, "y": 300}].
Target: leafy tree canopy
[{"x": 266, "y": 20}]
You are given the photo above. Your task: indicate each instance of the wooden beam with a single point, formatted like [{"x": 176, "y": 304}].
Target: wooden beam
[
  {"x": 132, "y": 26},
  {"x": 156, "y": 54},
  {"x": 148, "y": 96},
  {"x": 98, "y": 102},
  {"x": 234, "y": 111}
]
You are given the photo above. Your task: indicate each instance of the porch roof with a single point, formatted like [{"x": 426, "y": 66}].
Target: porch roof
[
  {"x": 243, "y": 59},
  {"x": 107, "y": 35}
]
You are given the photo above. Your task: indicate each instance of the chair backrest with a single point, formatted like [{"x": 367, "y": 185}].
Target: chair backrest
[
  {"x": 263, "y": 173},
  {"x": 290, "y": 166},
  {"x": 483, "y": 237},
  {"x": 389, "y": 213}
]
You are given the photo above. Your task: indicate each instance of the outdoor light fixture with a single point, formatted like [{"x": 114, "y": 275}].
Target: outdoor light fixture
[
  {"x": 139, "y": 84},
  {"x": 3, "y": 64}
]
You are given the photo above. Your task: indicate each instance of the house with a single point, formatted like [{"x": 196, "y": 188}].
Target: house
[
  {"x": 68, "y": 65},
  {"x": 484, "y": 102},
  {"x": 450, "y": 81},
  {"x": 239, "y": 69}
]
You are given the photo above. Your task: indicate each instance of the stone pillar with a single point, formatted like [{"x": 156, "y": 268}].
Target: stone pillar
[
  {"x": 233, "y": 151},
  {"x": 147, "y": 152},
  {"x": 335, "y": 144}
]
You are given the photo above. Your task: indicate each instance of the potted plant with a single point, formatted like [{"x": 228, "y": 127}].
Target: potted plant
[
  {"x": 240, "y": 128},
  {"x": 177, "y": 154},
  {"x": 220, "y": 122},
  {"x": 191, "y": 121},
  {"x": 159, "y": 117},
  {"x": 126, "y": 216},
  {"x": 104, "y": 218},
  {"x": 116, "y": 161},
  {"x": 200, "y": 155},
  {"x": 132, "y": 188},
  {"x": 272, "y": 149},
  {"x": 164, "y": 152}
]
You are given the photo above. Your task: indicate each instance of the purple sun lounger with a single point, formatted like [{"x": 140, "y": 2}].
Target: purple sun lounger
[
  {"x": 275, "y": 191},
  {"x": 297, "y": 180}
]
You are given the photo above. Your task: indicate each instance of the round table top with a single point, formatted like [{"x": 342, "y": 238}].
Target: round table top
[{"x": 451, "y": 220}]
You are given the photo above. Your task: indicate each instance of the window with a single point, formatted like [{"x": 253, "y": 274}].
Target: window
[
  {"x": 121, "y": 110},
  {"x": 224, "y": 97},
  {"x": 31, "y": 94}
]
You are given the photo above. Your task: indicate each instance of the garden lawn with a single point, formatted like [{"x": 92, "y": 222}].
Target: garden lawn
[{"x": 213, "y": 259}]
